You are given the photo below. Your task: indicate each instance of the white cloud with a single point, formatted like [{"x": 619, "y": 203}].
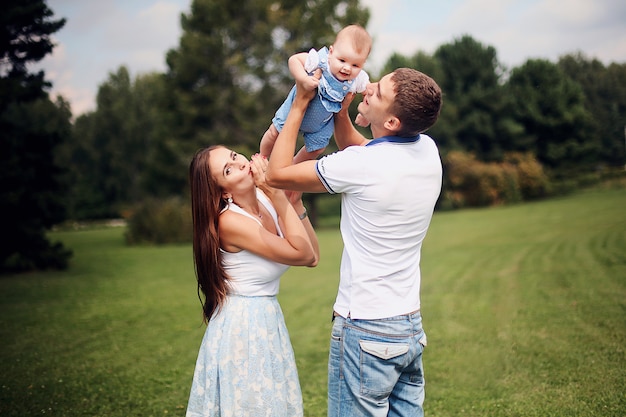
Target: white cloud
[
  {"x": 518, "y": 30},
  {"x": 99, "y": 37}
]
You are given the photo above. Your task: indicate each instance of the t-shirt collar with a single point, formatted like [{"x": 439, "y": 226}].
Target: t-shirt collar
[{"x": 394, "y": 139}]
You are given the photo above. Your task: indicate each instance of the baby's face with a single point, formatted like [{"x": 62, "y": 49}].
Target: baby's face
[{"x": 344, "y": 62}]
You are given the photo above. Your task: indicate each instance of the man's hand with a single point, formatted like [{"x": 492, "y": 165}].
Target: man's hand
[
  {"x": 361, "y": 120},
  {"x": 345, "y": 104},
  {"x": 294, "y": 197},
  {"x": 345, "y": 133}
]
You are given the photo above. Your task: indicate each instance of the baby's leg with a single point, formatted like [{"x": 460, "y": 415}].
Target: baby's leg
[
  {"x": 268, "y": 140},
  {"x": 304, "y": 155}
]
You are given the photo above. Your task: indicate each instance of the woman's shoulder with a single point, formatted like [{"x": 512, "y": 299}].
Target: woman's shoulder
[
  {"x": 235, "y": 228},
  {"x": 234, "y": 217}
]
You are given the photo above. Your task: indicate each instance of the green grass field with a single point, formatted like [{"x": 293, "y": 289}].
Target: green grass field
[{"x": 524, "y": 306}]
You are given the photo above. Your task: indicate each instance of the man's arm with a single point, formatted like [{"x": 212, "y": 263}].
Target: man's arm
[
  {"x": 345, "y": 132},
  {"x": 281, "y": 172}
]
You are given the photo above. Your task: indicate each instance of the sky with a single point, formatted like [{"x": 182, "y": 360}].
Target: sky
[{"x": 99, "y": 36}]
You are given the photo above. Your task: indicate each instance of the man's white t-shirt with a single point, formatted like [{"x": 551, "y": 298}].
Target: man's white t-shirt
[{"x": 389, "y": 190}]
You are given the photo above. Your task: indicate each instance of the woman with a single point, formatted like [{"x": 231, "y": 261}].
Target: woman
[{"x": 246, "y": 234}]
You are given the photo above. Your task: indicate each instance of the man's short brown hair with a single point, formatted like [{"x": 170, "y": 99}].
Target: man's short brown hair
[{"x": 417, "y": 102}]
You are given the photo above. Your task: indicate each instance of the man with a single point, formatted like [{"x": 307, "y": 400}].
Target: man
[{"x": 389, "y": 188}]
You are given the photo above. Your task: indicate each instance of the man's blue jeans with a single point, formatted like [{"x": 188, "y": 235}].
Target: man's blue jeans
[{"x": 375, "y": 367}]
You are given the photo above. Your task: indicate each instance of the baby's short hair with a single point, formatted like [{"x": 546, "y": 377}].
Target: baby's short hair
[{"x": 361, "y": 40}]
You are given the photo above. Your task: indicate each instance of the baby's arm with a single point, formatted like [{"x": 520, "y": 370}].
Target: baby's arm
[{"x": 296, "y": 67}]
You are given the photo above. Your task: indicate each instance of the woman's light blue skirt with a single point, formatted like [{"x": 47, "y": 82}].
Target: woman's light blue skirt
[{"x": 246, "y": 365}]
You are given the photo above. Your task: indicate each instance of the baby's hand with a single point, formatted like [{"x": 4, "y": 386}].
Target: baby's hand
[
  {"x": 312, "y": 81},
  {"x": 361, "y": 120}
]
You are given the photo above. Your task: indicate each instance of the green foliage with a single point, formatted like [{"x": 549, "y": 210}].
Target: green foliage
[
  {"x": 605, "y": 99},
  {"x": 154, "y": 121},
  {"x": 31, "y": 129},
  {"x": 470, "y": 182},
  {"x": 420, "y": 61},
  {"x": 229, "y": 73},
  {"x": 115, "y": 152},
  {"x": 160, "y": 222},
  {"x": 507, "y": 293},
  {"x": 570, "y": 116},
  {"x": 225, "y": 79},
  {"x": 474, "y": 117},
  {"x": 86, "y": 198},
  {"x": 32, "y": 189},
  {"x": 551, "y": 107},
  {"x": 25, "y": 29},
  {"x": 468, "y": 66}
]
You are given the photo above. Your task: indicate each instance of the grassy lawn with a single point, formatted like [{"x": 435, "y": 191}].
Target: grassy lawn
[{"x": 524, "y": 306}]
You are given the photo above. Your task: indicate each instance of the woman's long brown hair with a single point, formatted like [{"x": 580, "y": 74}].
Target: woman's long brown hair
[{"x": 206, "y": 206}]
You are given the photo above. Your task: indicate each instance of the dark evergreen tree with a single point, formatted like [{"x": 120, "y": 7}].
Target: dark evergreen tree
[
  {"x": 112, "y": 151},
  {"x": 475, "y": 119},
  {"x": 86, "y": 196},
  {"x": 31, "y": 128},
  {"x": 605, "y": 99},
  {"x": 550, "y": 106}
]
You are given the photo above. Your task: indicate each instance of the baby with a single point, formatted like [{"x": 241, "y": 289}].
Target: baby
[{"x": 342, "y": 73}]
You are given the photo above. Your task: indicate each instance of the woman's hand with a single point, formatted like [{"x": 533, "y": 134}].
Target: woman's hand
[{"x": 259, "y": 164}]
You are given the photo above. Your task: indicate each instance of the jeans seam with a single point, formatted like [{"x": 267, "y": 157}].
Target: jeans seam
[{"x": 374, "y": 333}]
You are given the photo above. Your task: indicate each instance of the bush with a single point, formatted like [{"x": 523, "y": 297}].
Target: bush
[
  {"x": 473, "y": 183},
  {"x": 160, "y": 222},
  {"x": 533, "y": 180}
]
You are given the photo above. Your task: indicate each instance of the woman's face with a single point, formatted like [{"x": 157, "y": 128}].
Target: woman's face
[{"x": 231, "y": 171}]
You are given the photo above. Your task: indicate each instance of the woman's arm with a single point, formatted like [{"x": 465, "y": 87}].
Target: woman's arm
[
  {"x": 241, "y": 232},
  {"x": 295, "y": 197},
  {"x": 282, "y": 173},
  {"x": 296, "y": 247}
]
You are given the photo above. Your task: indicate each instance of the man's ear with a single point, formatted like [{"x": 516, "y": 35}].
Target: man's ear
[{"x": 392, "y": 123}]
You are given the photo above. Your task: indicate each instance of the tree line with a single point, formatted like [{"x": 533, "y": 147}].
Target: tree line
[{"x": 223, "y": 83}]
